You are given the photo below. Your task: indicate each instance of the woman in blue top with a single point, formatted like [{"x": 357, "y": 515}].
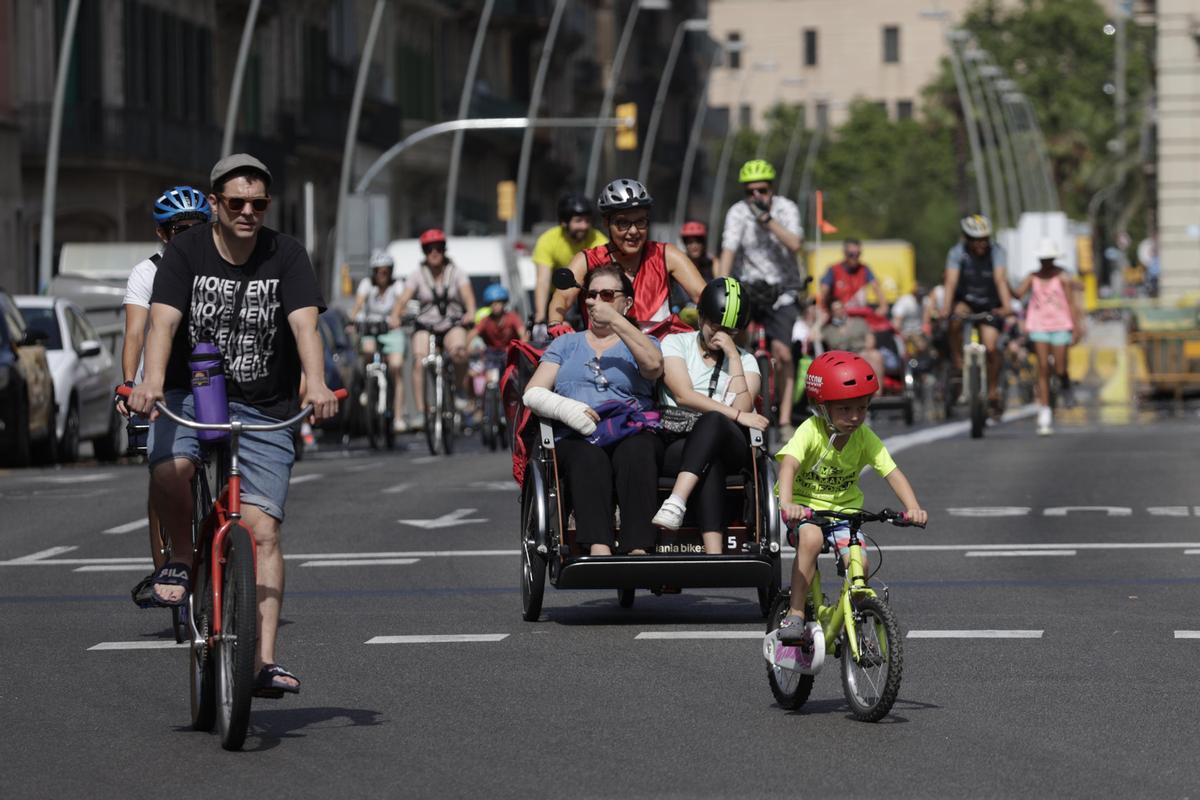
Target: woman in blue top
[{"x": 611, "y": 360}]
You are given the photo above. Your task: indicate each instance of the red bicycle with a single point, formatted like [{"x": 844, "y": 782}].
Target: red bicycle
[{"x": 223, "y": 604}]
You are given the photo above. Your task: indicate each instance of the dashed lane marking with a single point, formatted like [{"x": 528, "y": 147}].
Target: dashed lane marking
[
  {"x": 150, "y": 645},
  {"x": 359, "y": 562},
  {"x": 42, "y": 555},
  {"x": 398, "y": 488},
  {"x": 1013, "y": 553},
  {"x": 445, "y": 638},
  {"x": 1187, "y": 634},
  {"x": 673, "y": 635},
  {"x": 975, "y": 634},
  {"x": 312, "y": 476},
  {"x": 904, "y": 441},
  {"x": 139, "y": 567},
  {"x": 128, "y": 527}
]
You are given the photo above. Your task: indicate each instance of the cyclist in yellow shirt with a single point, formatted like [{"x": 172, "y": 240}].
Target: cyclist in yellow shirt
[{"x": 557, "y": 246}]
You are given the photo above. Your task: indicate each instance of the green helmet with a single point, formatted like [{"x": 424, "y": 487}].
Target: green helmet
[
  {"x": 722, "y": 303},
  {"x": 756, "y": 169}
]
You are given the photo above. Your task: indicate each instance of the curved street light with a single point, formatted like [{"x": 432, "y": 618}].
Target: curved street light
[{"x": 687, "y": 26}]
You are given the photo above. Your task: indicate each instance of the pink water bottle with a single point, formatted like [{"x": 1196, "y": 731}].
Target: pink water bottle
[{"x": 208, "y": 389}]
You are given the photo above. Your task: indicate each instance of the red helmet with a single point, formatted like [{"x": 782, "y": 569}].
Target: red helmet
[
  {"x": 693, "y": 228},
  {"x": 840, "y": 375},
  {"x": 432, "y": 236}
]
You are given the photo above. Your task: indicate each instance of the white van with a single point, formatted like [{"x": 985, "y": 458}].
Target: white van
[{"x": 485, "y": 259}]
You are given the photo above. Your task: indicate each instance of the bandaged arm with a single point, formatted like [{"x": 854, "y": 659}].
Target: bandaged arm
[{"x": 546, "y": 403}]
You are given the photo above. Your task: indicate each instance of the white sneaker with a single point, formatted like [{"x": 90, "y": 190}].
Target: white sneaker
[
  {"x": 1044, "y": 430},
  {"x": 669, "y": 516},
  {"x": 399, "y": 425}
]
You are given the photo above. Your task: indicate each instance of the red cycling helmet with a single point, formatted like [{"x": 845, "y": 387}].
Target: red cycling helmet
[
  {"x": 693, "y": 228},
  {"x": 432, "y": 236},
  {"x": 840, "y": 375}
]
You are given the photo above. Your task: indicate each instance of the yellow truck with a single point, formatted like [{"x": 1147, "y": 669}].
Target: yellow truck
[{"x": 893, "y": 261}]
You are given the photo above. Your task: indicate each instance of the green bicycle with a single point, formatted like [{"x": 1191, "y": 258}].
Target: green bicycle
[{"x": 860, "y": 628}]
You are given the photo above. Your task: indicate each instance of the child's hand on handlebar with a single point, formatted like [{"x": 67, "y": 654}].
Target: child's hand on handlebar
[
  {"x": 794, "y": 512},
  {"x": 916, "y": 516}
]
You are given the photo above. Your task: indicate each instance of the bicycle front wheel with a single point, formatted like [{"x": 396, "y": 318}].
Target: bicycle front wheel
[
  {"x": 791, "y": 688},
  {"x": 433, "y": 417},
  {"x": 375, "y": 419},
  {"x": 872, "y": 682},
  {"x": 200, "y": 660},
  {"x": 977, "y": 400},
  {"x": 238, "y": 643},
  {"x": 449, "y": 412}
]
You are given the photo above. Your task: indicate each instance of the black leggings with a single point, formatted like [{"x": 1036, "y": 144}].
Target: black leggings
[
  {"x": 716, "y": 447},
  {"x": 590, "y": 473}
]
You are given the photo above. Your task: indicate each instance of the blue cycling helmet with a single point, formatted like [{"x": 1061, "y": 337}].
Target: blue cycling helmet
[
  {"x": 495, "y": 293},
  {"x": 182, "y": 202}
]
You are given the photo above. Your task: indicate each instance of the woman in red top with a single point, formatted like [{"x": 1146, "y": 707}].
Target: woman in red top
[{"x": 625, "y": 206}]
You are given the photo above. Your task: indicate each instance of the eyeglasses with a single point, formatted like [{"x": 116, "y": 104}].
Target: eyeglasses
[
  {"x": 429, "y": 248},
  {"x": 179, "y": 228},
  {"x": 598, "y": 377},
  {"x": 607, "y": 295},
  {"x": 623, "y": 225},
  {"x": 693, "y": 240},
  {"x": 750, "y": 192},
  {"x": 236, "y": 204}
]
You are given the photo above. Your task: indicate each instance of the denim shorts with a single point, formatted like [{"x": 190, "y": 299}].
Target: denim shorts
[
  {"x": 264, "y": 458},
  {"x": 1055, "y": 338}
]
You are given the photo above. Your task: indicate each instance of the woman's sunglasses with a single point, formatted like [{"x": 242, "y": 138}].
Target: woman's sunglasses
[
  {"x": 607, "y": 295},
  {"x": 429, "y": 248},
  {"x": 236, "y": 204}
]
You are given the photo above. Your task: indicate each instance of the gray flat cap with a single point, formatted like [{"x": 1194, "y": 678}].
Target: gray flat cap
[{"x": 236, "y": 161}]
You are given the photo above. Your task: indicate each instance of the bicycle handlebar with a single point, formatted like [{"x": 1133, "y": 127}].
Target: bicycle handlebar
[
  {"x": 125, "y": 391},
  {"x": 857, "y": 517}
]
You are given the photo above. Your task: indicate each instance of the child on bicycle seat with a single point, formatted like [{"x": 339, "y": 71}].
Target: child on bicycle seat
[{"x": 821, "y": 465}]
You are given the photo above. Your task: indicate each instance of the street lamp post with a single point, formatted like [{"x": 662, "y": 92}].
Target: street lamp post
[
  {"x": 688, "y": 25},
  {"x": 1023, "y": 151},
  {"x": 464, "y": 107},
  {"x": 1039, "y": 141},
  {"x": 535, "y": 100},
  {"x": 50, "y": 190},
  {"x": 239, "y": 70},
  {"x": 964, "y": 100},
  {"x": 360, "y": 85},
  {"x": 761, "y": 150},
  {"x": 793, "y": 149},
  {"x": 614, "y": 77},
  {"x": 974, "y": 85},
  {"x": 987, "y": 72},
  {"x": 689, "y": 156}
]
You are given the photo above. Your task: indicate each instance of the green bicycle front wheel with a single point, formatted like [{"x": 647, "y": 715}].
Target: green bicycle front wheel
[
  {"x": 872, "y": 683},
  {"x": 791, "y": 688}
]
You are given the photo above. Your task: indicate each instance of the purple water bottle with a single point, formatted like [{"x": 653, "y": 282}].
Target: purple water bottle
[{"x": 208, "y": 389}]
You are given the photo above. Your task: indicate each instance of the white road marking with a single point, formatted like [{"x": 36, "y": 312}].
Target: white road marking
[
  {"x": 362, "y": 467},
  {"x": 114, "y": 567},
  {"x": 129, "y": 526},
  {"x": 1168, "y": 511},
  {"x": 72, "y": 479},
  {"x": 494, "y": 486},
  {"x": 904, "y": 441},
  {"x": 398, "y": 488},
  {"x": 989, "y": 511},
  {"x": 359, "y": 562},
  {"x": 456, "y": 517},
  {"x": 1010, "y": 553},
  {"x": 312, "y": 476},
  {"x": 1109, "y": 511},
  {"x": 978, "y": 634},
  {"x": 41, "y": 555},
  {"x": 1187, "y": 634},
  {"x": 445, "y": 638},
  {"x": 149, "y": 645},
  {"x": 425, "y": 459},
  {"x": 699, "y": 635}
]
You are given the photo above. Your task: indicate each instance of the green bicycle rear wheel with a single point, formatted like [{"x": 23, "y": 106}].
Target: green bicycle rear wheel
[
  {"x": 872, "y": 683},
  {"x": 791, "y": 689}
]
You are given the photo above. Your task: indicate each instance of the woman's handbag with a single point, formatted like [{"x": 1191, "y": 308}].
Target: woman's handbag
[
  {"x": 619, "y": 419},
  {"x": 681, "y": 420}
]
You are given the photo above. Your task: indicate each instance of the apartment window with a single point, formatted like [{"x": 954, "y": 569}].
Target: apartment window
[
  {"x": 744, "y": 118},
  {"x": 168, "y": 61},
  {"x": 822, "y": 115},
  {"x": 810, "y": 47},
  {"x": 904, "y": 109},
  {"x": 734, "y": 39},
  {"x": 891, "y": 44}
]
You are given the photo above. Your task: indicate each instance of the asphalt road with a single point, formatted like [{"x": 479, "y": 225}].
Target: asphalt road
[{"x": 1078, "y": 544}]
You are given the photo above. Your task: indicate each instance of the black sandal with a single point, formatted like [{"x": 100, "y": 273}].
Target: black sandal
[
  {"x": 173, "y": 573},
  {"x": 268, "y": 683}
]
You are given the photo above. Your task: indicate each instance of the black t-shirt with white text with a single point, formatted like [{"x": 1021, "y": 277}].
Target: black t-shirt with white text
[{"x": 262, "y": 365}]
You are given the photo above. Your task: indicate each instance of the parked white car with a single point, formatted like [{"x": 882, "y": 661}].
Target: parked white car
[{"x": 84, "y": 373}]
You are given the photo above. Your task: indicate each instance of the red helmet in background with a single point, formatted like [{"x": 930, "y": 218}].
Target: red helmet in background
[
  {"x": 693, "y": 228},
  {"x": 432, "y": 236},
  {"x": 840, "y": 375}
]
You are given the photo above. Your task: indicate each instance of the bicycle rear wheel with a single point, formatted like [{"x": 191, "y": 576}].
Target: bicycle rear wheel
[
  {"x": 872, "y": 683},
  {"x": 492, "y": 436},
  {"x": 433, "y": 417},
  {"x": 203, "y": 676},
  {"x": 235, "y": 651},
  {"x": 791, "y": 688},
  {"x": 375, "y": 420},
  {"x": 978, "y": 403},
  {"x": 449, "y": 412}
]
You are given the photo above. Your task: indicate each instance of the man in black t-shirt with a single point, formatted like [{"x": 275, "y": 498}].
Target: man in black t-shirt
[{"x": 251, "y": 291}]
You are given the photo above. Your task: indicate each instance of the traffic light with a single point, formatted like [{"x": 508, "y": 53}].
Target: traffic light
[
  {"x": 506, "y": 200},
  {"x": 627, "y": 128}
]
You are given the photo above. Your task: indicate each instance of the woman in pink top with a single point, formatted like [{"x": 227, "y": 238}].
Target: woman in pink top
[{"x": 1052, "y": 323}]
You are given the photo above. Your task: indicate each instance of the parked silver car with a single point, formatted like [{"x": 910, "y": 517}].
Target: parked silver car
[{"x": 84, "y": 372}]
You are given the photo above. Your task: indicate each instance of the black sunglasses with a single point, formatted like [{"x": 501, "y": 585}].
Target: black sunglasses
[
  {"x": 236, "y": 204},
  {"x": 758, "y": 190},
  {"x": 429, "y": 248},
  {"x": 607, "y": 295}
]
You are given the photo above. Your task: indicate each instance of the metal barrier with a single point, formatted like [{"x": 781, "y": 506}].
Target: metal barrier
[{"x": 1172, "y": 360}]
